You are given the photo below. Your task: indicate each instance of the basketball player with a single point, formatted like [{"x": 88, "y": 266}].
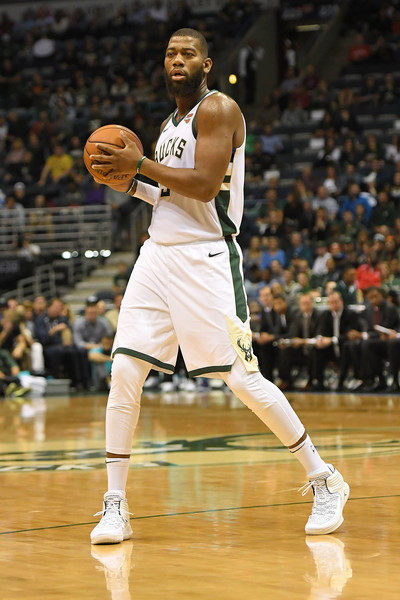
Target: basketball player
[{"x": 186, "y": 288}]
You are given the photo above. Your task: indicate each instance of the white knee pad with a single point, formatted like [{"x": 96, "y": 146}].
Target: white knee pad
[
  {"x": 266, "y": 401},
  {"x": 123, "y": 407}
]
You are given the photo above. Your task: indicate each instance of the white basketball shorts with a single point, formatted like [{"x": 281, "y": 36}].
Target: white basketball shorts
[{"x": 188, "y": 295}]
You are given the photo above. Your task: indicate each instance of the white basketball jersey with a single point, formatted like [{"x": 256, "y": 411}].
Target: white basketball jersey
[{"x": 180, "y": 220}]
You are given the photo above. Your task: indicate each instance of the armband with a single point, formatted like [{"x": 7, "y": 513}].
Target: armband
[{"x": 140, "y": 164}]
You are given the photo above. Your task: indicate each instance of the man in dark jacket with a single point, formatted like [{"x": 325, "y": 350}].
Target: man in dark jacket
[
  {"x": 373, "y": 344},
  {"x": 336, "y": 329},
  {"x": 299, "y": 351}
]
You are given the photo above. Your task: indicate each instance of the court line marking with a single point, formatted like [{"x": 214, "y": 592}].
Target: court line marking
[{"x": 193, "y": 512}]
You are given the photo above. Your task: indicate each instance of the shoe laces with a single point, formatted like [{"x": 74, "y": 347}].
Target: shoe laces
[
  {"x": 322, "y": 496},
  {"x": 112, "y": 510}
]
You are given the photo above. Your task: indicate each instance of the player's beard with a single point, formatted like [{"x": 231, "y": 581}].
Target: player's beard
[{"x": 187, "y": 87}]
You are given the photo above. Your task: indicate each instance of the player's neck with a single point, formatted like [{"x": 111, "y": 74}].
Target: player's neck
[{"x": 184, "y": 104}]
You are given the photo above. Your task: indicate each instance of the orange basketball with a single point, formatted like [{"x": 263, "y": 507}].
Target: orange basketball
[{"x": 110, "y": 135}]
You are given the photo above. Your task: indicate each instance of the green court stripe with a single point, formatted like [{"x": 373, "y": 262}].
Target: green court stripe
[
  {"x": 197, "y": 372},
  {"x": 196, "y": 512},
  {"x": 146, "y": 358}
]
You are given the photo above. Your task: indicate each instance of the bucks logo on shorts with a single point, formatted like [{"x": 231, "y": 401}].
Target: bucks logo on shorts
[
  {"x": 241, "y": 340},
  {"x": 244, "y": 343}
]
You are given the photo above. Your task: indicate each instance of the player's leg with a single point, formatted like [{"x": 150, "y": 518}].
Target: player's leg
[
  {"x": 122, "y": 414},
  {"x": 272, "y": 407}
]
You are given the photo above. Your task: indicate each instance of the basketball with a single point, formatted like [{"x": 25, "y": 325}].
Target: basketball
[{"x": 108, "y": 134}]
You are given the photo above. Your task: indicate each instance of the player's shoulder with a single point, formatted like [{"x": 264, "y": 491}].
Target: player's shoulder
[{"x": 220, "y": 103}]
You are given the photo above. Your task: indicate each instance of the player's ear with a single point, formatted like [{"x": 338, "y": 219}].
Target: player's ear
[{"x": 207, "y": 64}]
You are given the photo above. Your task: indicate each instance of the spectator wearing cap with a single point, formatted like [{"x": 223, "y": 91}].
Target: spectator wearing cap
[
  {"x": 20, "y": 193},
  {"x": 319, "y": 266},
  {"x": 378, "y": 246}
]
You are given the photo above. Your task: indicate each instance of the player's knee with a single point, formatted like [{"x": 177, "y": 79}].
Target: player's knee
[{"x": 128, "y": 375}]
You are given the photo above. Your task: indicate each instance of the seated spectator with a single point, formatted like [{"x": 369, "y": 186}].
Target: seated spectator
[
  {"x": 257, "y": 162},
  {"x": 297, "y": 250},
  {"x": 88, "y": 332},
  {"x": 392, "y": 150},
  {"x": 367, "y": 274},
  {"x": 324, "y": 200},
  {"x": 382, "y": 51},
  {"x": 121, "y": 277},
  {"x": 101, "y": 362},
  {"x": 349, "y": 228},
  {"x": 389, "y": 91},
  {"x": 54, "y": 332},
  {"x": 276, "y": 273},
  {"x": 346, "y": 123},
  {"x": 293, "y": 114},
  {"x": 329, "y": 154},
  {"x": 347, "y": 287},
  {"x": 10, "y": 384},
  {"x": 331, "y": 181},
  {"x": 372, "y": 150},
  {"x": 373, "y": 345},
  {"x": 335, "y": 332},
  {"x": 355, "y": 198},
  {"x": 270, "y": 141},
  {"x": 12, "y": 215},
  {"x": 359, "y": 52},
  {"x": 311, "y": 78},
  {"x": 351, "y": 152},
  {"x": 272, "y": 253},
  {"x": 263, "y": 339},
  {"x": 303, "y": 327},
  {"x": 41, "y": 219},
  {"x": 383, "y": 214},
  {"x": 319, "y": 266},
  {"x": 113, "y": 313},
  {"x": 57, "y": 167}
]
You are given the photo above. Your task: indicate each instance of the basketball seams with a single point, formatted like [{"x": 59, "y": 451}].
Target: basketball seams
[{"x": 92, "y": 141}]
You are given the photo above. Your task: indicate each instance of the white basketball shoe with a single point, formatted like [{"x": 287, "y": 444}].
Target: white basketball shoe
[
  {"x": 330, "y": 495},
  {"x": 114, "y": 526}
]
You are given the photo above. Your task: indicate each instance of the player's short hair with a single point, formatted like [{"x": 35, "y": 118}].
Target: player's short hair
[{"x": 188, "y": 32}]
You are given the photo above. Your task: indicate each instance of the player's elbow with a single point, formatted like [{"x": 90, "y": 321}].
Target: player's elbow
[{"x": 206, "y": 192}]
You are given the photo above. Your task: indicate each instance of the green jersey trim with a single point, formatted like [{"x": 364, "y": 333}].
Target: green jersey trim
[
  {"x": 240, "y": 295},
  {"x": 146, "y": 357},
  {"x": 204, "y": 370}
]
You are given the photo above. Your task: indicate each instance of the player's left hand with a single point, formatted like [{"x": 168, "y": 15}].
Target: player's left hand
[{"x": 121, "y": 160}]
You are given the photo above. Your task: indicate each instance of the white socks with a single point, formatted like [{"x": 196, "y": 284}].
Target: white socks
[
  {"x": 309, "y": 458},
  {"x": 117, "y": 473}
]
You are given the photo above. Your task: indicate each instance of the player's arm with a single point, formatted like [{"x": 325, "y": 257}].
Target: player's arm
[{"x": 219, "y": 128}]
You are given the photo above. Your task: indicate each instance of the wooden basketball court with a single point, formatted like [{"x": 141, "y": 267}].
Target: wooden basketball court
[{"x": 217, "y": 514}]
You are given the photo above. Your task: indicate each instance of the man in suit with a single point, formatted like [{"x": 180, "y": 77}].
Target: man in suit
[
  {"x": 282, "y": 319},
  {"x": 303, "y": 326},
  {"x": 335, "y": 332},
  {"x": 263, "y": 338},
  {"x": 373, "y": 346}
]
